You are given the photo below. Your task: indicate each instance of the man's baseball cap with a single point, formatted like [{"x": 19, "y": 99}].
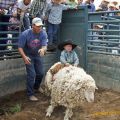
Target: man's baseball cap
[{"x": 37, "y": 21}]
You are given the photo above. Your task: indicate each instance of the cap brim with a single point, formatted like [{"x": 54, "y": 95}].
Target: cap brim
[{"x": 38, "y": 24}]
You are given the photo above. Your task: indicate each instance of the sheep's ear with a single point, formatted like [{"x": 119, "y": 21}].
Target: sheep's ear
[{"x": 96, "y": 88}]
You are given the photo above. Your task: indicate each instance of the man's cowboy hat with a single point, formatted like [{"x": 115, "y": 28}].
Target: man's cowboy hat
[
  {"x": 111, "y": 5},
  {"x": 107, "y": 1},
  {"x": 67, "y": 42},
  {"x": 99, "y": 26}
]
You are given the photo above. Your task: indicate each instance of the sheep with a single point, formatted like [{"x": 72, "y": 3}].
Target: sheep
[
  {"x": 49, "y": 76},
  {"x": 72, "y": 86}
]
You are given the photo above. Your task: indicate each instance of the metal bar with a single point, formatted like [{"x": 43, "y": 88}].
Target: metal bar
[
  {"x": 112, "y": 25},
  {"x": 13, "y": 38},
  {"x": 10, "y": 57},
  {"x": 112, "y": 18},
  {"x": 103, "y": 30},
  {"x": 9, "y": 32},
  {"x": 6, "y": 51},
  {"x": 101, "y": 12},
  {"x": 100, "y": 41},
  {"x": 107, "y": 36},
  {"x": 8, "y": 23},
  {"x": 8, "y": 44},
  {"x": 103, "y": 47},
  {"x": 106, "y": 53},
  {"x": 105, "y": 21}
]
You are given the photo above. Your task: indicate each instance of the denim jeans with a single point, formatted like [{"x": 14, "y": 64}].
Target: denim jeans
[
  {"x": 34, "y": 74},
  {"x": 52, "y": 33},
  {"x": 25, "y": 22}
]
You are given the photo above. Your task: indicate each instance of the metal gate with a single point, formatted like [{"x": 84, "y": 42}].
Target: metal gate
[
  {"x": 104, "y": 33},
  {"x": 74, "y": 26},
  {"x": 103, "y": 49}
]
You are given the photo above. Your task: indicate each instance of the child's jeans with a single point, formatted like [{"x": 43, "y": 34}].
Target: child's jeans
[{"x": 52, "y": 33}]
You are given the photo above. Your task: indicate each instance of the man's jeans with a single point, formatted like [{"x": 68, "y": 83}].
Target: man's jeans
[
  {"x": 34, "y": 74},
  {"x": 52, "y": 33}
]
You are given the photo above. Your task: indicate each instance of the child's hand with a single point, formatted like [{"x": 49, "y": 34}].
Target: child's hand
[
  {"x": 75, "y": 65},
  {"x": 45, "y": 17},
  {"x": 67, "y": 64}
]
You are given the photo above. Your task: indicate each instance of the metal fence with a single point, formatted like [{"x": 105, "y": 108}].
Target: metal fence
[
  {"x": 104, "y": 33},
  {"x": 8, "y": 38}
]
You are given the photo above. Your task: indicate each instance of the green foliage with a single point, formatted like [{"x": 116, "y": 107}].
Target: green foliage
[{"x": 15, "y": 109}]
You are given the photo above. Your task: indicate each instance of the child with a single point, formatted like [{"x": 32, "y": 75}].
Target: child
[
  {"x": 68, "y": 55},
  {"x": 20, "y": 10},
  {"x": 53, "y": 15}
]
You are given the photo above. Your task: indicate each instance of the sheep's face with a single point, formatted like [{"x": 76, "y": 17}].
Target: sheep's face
[{"x": 89, "y": 95}]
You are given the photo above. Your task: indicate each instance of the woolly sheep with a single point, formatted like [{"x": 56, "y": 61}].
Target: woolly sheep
[{"x": 71, "y": 87}]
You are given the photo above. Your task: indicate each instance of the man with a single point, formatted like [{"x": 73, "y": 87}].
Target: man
[
  {"x": 37, "y": 8},
  {"x": 104, "y": 5},
  {"x": 90, "y": 5},
  {"x": 32, "y": 46}
]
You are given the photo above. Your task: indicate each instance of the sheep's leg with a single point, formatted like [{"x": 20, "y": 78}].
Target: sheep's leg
[
  {"x": 50, "y": 109},
  {"x": 68, "y": 114}
]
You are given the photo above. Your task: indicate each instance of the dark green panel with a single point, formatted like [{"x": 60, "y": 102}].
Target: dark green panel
[{"x": 74, "y": 26}]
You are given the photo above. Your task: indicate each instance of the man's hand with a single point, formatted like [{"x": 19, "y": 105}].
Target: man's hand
[
  {"x": 27, "y": 60},
  {"x": 41, "y": 52}
]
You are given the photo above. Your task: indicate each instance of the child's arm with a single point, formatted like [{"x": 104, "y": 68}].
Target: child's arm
[
  {"x": 62, "y": 59},
  {"x": 46, "y": 11},
  {"x": 76, "y": 59}
]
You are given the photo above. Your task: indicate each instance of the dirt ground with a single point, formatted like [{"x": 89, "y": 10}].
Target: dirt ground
[{"x": 105, "y": 107}]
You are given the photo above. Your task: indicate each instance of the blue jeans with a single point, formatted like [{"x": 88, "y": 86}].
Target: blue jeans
[
  {"x": 34, "y": 74},
  {"x": 25, "y": 22},
  {"x": 52, "y": 33}
]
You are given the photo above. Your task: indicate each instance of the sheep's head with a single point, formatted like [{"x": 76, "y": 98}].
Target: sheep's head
[
  {"x": 89, "y": 95},
  {"x": 89, "y": 88}
]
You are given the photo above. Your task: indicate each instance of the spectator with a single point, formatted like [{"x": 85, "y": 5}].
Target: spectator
[
  {"x": 32, "y": 46},
  {"x": 111, "y": 7},
  {"x": 72, "y": 3},
  {"x": 104, "y": 5},
  {"x": 115, "y": 2},
  {"x": 80, "y": 2},
  {"x": 96, "y": 35},
  {"x": 53, "y": 15},
  {"x": 91, "y": 6},
  {"x": 22, "y": 8},
  {"x": 37, "y": 8}
]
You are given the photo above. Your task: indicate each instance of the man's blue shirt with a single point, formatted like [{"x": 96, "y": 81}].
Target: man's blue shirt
[{"x": 32, "y": 42}]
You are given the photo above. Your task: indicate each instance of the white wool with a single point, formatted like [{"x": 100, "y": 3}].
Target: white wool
[
  {"x": 49, "y": 77},
  {"x": 68, "y": 88}
]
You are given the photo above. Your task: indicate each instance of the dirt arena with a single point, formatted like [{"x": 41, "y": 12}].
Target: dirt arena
[{"x": 105, "y": 107}]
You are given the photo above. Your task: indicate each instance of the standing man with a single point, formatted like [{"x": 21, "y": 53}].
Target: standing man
[{"x": 32, "y": 45}]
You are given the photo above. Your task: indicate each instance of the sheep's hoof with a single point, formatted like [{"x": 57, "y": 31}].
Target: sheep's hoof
[{"x": 48, "y": 114}]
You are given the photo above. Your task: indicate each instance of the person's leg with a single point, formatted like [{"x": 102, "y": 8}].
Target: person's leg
[
  {"x": 26, "y": 22},
  {"x": 55, "y": 33},
  {"x": 30, "y": 78},
  {"x": 50, "y": 33},
  {"x": 39, "y": 72}
]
